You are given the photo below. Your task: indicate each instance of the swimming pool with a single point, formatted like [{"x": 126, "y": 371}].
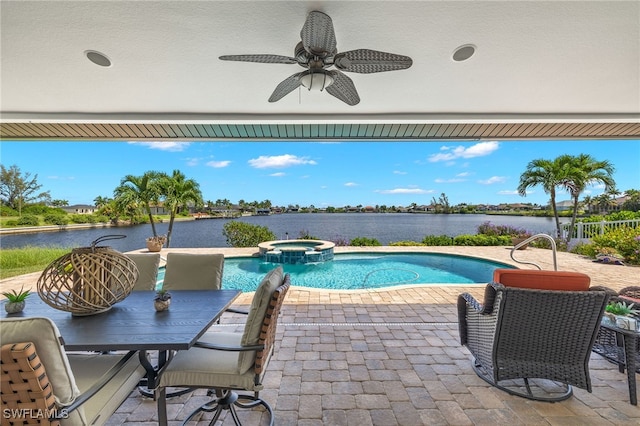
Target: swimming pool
[{"x": 351, "y": 271}]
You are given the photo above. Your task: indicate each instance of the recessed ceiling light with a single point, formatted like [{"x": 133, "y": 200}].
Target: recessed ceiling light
[
  {"x": 98, "y": 58},
  {"x": 464, "y": 52}
]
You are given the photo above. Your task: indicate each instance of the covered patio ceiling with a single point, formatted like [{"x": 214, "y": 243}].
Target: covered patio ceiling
[{"x": 540, "y": 70}]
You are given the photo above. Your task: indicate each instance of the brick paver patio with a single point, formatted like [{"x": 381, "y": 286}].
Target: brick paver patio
[{"x": 392, "y": 357}]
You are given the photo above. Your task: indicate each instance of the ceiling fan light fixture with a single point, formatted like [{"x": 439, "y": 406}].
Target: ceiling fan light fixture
[{"x": 316, "y": 80}]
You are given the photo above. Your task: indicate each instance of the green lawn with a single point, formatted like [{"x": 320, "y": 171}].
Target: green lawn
[{"x": 14, "y": 262}]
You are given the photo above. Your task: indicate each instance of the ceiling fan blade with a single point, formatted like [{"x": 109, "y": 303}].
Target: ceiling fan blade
[
  {"x": 367, "y": 61},
  {"x": 318, "y": 36},
  {"x": 265, "y": 59},
  {"x": 285, "y": 87},
  {"x": 343, "y": 89}
]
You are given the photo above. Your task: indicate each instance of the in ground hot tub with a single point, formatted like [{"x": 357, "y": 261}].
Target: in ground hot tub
[{"x": 296, "y": 251}]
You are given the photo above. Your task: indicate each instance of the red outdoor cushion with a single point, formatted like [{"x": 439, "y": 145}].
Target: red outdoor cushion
[{"x": 542, "y": 280}]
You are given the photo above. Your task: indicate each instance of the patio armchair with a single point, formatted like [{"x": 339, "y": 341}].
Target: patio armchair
[
  {"x": 147, "y": 264},
  {"x": 532, "y": 336},
  {"x": 226, "y": 362},
  {"x": 43, "y": 384}
]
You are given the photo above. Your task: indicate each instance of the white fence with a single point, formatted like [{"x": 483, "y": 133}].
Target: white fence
[{"x": 585, "y": 231}]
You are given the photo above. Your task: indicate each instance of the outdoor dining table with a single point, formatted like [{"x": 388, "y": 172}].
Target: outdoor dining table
[{"x": 134, "y": 324}]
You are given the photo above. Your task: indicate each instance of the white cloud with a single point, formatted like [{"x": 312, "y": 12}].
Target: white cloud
[
  {"x": 508, "y": 192},
  {"x": 218, "y": 164},
  {"x": 398, "y": 172},
  {"x": 405, "y": 191},
  {"x": 451, "y": 153},
  {"x": 278, "y": 174},
  {"x": 492, "y": 180},
  {"x": 164, "y": 145},
  {"x": 350, "y": 184},
  {"x": 463, "y": 174},
  {"x": 279, "y": 161}
]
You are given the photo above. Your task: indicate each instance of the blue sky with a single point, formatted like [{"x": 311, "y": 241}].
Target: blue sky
[{"x": 316, "y": 173}]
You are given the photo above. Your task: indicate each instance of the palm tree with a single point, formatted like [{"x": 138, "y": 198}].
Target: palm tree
[
  {"x": 139, "y": 189},
  {"x": 549, "y": 174},
  {"x": 178, "y": 191},
  {"x": 581, "y": 172}
]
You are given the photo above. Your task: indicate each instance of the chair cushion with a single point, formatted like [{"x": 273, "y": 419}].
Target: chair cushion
[
  {"x": 46, "y": 337},
  {"x": 194, "y": 271},
  {"x": 258, "y": 310},
  {"x": 542, "y": 280},
  {"x": 208, "y": 368},
  {"x": 88, "y": 368},
  {"x": 148, "y": 264}
]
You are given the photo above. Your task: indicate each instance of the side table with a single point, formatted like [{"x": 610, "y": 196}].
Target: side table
[{"x": 620, "y": 346}]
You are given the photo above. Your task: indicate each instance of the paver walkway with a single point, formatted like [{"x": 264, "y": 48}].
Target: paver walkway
[{"x": 392, "y": 357}]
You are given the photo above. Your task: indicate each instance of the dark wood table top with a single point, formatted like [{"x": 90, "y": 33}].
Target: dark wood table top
[{"x": 133, "y": 324}]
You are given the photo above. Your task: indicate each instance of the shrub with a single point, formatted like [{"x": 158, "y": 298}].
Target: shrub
[
  {"x": 242, "y": 234},
  {"x": 7, "y": 211},
  {"x": 584, "y": 249},
  {"x": 101, "y": 218},
  {"x": 437, "y": 240},
  {"x": 406, "y": 243},
  {"x": 305, "y": 235},
  {"x": 340, "y": 241},
  {"x": 79, "y": 218},
  {"x": 11, "y": 223},
  {"x": 56, "y": 219},
  {"x": 482, "y": 240},
  {"x": 365, "y": 242},
  {"x": 625, "y": 240},
  {"x": 487, "y": 228},
  {"x": 28, "y": 220}
]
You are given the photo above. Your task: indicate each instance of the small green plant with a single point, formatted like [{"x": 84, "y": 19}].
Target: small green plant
[
  {"x": 162, "y": 295},
  {"x": 621, "y": 308},
  {"x": 14, "y": 296}
]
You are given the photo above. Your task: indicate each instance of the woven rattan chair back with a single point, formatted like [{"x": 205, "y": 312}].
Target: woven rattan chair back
[{"x": 26, "y": 393}]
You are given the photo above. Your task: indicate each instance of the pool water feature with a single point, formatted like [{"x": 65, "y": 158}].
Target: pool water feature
[
  {"x": 351, "y": 271},
  {"x": 296, "y": 251}
]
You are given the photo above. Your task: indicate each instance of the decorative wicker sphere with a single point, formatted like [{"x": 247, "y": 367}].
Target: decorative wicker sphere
[{"x": 87, "y": 281}]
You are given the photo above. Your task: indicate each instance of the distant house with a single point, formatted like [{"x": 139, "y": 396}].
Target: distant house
[
  {"x": 564, "y": 206},
  {"x": 79, "y": 209}
]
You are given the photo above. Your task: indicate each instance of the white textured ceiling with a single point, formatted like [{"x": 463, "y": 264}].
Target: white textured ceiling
[{"x": 535, "y": 60}]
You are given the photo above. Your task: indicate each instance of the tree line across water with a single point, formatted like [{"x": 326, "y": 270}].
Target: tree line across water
[{"x": 135, "y": 197}]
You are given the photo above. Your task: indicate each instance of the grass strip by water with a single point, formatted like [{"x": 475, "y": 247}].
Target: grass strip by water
[{"x": 19, "y": 261}]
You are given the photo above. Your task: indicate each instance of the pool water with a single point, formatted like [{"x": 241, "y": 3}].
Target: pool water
[{"x": 364, "y": 271}]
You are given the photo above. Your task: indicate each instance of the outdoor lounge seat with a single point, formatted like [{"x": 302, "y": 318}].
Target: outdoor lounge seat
[
  {"x": 532, "y": 342},
  {"x": 40, "y": 381},
  {"x": 225, "y": 362},
  {"x": 147, "y": 264}
]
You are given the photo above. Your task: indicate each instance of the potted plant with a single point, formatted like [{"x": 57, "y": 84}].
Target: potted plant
[
  {"x": 156, "y": 242},
  {"x": 622, "y": 314},
  {"x": 162, "y": 300},
  {"x": 519, "y": 236},
  {"x": 16, "y": 300}
]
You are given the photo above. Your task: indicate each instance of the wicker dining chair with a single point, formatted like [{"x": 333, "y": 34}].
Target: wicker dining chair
[
  {"x": 226, "y": 362},
  {"x": 43, "y": 384},
  {"x": 534, "y": 343}
]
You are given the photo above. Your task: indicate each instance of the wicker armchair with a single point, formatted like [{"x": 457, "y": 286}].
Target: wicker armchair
[{"x": 530, "y": 342}]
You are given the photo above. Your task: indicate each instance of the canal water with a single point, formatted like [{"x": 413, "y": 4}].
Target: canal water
[{"x": 386, "y": 228}]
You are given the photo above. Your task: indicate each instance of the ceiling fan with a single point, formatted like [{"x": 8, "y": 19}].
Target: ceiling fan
[{"x": 317, "y": 53}]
